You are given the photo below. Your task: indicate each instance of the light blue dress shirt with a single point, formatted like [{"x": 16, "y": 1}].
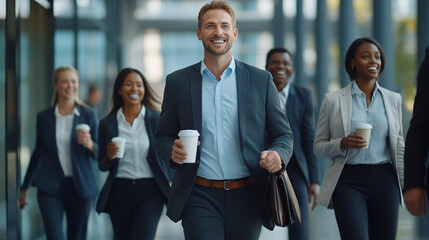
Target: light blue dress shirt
[
  {"x": 220, "y": 140},
  {"x": 375, "y": 114}
]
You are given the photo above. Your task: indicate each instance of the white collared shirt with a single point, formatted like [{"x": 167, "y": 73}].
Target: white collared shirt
[
  {"x": 63, "y": 132},
  {"x": 134, "y": 164},
  {"x": 283, "y": 95}
]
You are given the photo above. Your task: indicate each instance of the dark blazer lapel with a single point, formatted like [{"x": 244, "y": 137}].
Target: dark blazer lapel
[
  {"x": 75, "y": 122},
  {"x": 148, "y": 119},
  {"x": 243, "y": 97},
  {"x": 114, "y": 126},
  {"x": 290, "y": 106},
  {"x": 52, "y": 127},
  {"x": 195, "y": 82}
]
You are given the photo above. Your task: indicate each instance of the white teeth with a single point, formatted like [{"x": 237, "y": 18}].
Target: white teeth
[
  {"x": 372, "y": 68},
  {"x": 218, "y": 41},
  {"x": 134, "y": 96},
  {"x": 282, "y": 73}
]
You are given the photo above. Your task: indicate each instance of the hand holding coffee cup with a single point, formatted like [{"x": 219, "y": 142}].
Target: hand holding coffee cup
[
  {"x": 84, "y": 136},
  {"x": 120, "y": 144},
  {"x": 364, "y": 130},
  {"x": 185, "y": 148}
]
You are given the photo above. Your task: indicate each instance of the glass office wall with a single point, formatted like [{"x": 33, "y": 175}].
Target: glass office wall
[
  {"x": 35, "y": 93},
  {"x": 2, "y": 119}
]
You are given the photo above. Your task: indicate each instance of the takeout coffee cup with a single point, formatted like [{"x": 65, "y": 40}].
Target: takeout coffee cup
[
  {"x": 364, "y": 130},
  {"x": 120, "y": 143},
  {"x": 190, "y": 139}
]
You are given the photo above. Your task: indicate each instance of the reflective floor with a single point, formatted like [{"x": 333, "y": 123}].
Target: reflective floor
[{"x": 323, "y": 227}]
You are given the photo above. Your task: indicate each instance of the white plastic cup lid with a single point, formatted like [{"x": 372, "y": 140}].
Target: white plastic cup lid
[
  {"x": 118, "y": 139},
  {"x": 363, "y": 126},
  {"x": 188, "y": 133},
  {"x": 83, "y": 126}
]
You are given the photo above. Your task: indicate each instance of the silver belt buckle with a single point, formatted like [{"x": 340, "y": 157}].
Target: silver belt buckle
[{"x": 224, "y": 185}]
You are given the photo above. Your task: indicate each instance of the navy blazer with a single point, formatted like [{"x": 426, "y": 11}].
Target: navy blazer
[
  {"x": 261, "y": 123},
  {"x": 300, "y": 112},
  {"x": 417, "y": 142},
  {"x": 161, "y": 171},
  {"x": 44, "y": 170}
]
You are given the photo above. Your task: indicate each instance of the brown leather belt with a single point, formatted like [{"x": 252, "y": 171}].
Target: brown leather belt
[{"x": 224, "y": 184}]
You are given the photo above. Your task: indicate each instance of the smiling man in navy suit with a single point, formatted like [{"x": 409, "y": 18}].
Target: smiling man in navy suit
[
  {"x": 297, "y": 103},
  {"x": 244, "y": 135}
]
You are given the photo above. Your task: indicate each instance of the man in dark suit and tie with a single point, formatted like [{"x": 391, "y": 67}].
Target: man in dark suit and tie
[
  {"x": 417, "y": 146},
  {"x": 297, "y": 103},
  {"x": 244, "y": 135}
]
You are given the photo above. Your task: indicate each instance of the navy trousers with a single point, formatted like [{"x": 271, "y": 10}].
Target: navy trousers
[
  {"x": 218, "y": 214},
  {"x": 366, "y": 202},
  {"x": 135, "y": 207},
  {"x": 299, "y": 231},
  {"x": 53, "y": 206}
]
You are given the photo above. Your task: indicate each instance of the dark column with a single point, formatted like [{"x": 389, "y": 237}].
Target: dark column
[
  {"x": 278, "y": 25},
  {"x": 347, "y": 35},
  {"x": 12, "y": 121},
  {"x": 113, "y": 47},
  {"x": 422, "y": 43},
  {"x": 300, "y": 42},
  {"x": 422, "y": 28},
  {"x": 322, "y": 44},
  {"x": 383, "y": 33},
  {"x": 75, "y": 35}
]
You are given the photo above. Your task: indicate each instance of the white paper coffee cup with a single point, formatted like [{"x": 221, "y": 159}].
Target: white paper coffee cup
[
  {"x": 120, "y": 143},
  {"x": 83, "y": 127},
  {"x": 190, "y": 139},
  {"x": 364, "y": 130}
]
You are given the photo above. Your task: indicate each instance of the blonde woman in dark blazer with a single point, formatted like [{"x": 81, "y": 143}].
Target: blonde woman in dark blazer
[
  {"x": 63, "y": 164},
  {"x": 363, "y": 185}
]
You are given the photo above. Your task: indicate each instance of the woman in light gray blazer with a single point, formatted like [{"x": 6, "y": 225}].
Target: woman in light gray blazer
[{"x": 364, "y": 179}]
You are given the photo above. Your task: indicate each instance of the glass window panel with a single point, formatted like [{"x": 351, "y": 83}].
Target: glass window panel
[
  {"x": 64, "y": 48},
  {"x": 91, "y": 9},
  {"x": 64, "y": 8},
  {"x": 157, "y": 9},
  {"x": 2, "y": 12},
  {"x": 92, "y": 59}
]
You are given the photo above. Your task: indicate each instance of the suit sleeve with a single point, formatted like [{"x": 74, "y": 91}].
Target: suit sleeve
[
  {"x": 168, "y": 125},
  {"x": 104, "y": 137},
  {"x": 93, "y": 123},
  {"x": 417, "y": 141},
  {"x": 35, "y": 156},
  {"x": 324, "y": 144},
  {"x": 400, "y": 143},
  {"x": 308, "y": 133},
  {"x": 279, "y": 133}
]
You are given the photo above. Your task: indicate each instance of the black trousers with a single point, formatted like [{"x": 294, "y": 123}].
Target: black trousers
[
  {"x": 134, "y": 208},
  {"x": 53, "y": 206},
  {"x": 218, "y": 214},
  {"x": 299, "y": 231},
  {"x": 366, "y": 202}
]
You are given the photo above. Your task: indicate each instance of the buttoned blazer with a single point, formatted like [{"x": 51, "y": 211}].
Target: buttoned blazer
[
  {"x": 300, "y": 112},
  {"x": 262, "y": 125},
  {"x": 417, "y": 142},
  {"x": 334, "y": 124},
  {"x": 44, "y": 170},
  {"x": 161, "y": 171}
]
